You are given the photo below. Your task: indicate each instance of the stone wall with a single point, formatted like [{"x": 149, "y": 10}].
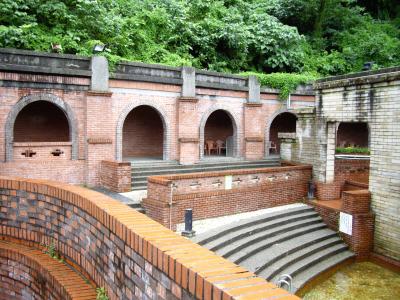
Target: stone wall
[
  {"x": 368, "y": 97},
  {"x": 118, "y": 248},
  {"x": 209, "y": 194}
]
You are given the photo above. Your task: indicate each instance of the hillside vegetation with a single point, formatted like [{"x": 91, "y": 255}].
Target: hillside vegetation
[{"x": 313, "y": 37}]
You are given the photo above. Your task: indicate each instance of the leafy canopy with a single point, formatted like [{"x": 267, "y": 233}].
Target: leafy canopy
[{"x": 320, "y": 37}]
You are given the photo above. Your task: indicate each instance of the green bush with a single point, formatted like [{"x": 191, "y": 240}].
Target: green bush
[
  {"x": 101, "y": 294},
  {"x": 352, "y": 150},
  {"x": 285, "y": 82}
]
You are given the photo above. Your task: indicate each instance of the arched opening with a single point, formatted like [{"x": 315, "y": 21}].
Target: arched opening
[
  {"x": 143, "y": 134},
  {"x": 219, "y": 135},
  {"x": 352, "y": 137},
  {"x": 41, "y": 121},
  {"x": 282, "y": 123}
]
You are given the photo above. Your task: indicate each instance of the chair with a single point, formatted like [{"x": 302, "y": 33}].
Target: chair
[
  {"x": 272, "y": 146},
  {"x": 210, "y": 146},
  {"x": 220, "y": 146}
]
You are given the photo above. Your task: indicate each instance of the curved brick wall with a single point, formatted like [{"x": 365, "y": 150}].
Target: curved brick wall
[
  {"x": 27, "y": 273},
  {"x": 119, "y": 248}
]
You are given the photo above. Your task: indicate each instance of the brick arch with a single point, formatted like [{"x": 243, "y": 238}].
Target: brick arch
[
  {"x": 28, "y": 99},
  {"x": 268, "y": 127},
  {"x": 121, "y": 121},
  {"x": 235, "y": 124}
]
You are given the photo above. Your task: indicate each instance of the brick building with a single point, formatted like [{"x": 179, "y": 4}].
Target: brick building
[{"x": 61, "y": 115}]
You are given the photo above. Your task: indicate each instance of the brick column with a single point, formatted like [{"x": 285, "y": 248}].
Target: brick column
[
  {"x": 253, "y": 126},
  {"x": 187, "y": 119},
  {"x": 99, "y": 132}
]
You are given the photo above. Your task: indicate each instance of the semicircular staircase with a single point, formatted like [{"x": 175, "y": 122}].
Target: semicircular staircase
[{"x": 293, "y": 241}]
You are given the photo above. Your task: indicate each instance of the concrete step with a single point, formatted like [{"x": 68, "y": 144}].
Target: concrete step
[
  {"x": 294, "y": 250},
  {"x": 165, "y": 165},
  {"x": 224, "y": 234},
  {"x": 291, "y": 241},
  {"x": 142, "y": 170},
  {"x": 202, "y": 168},
  {"x": 279, "y": 236},
  {"x": 244, "y": 238},
  {"x": 301, "y": 278},
  {"x": 311, "y": 260}
]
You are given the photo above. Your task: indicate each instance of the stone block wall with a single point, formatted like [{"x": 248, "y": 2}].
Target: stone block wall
[
  {"x": 118, "y": 248},
  {"x": 208, "y": 195},
  {"x": 367, "y": 97}
]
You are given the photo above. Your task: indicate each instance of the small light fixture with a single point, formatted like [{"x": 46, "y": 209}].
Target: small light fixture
[
  {"x": 367, "y": 66},
  {"x": 99, "y": 48}
]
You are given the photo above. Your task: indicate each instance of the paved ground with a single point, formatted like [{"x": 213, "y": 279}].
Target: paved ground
[{"x": 202, "y": 226}]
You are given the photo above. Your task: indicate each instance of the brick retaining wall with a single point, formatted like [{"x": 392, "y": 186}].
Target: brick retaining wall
[
  {"x": 116, "y": 176},
  {"x": 118, "y": 248},
  {"x": 208, "y": 196},
  {"x": 27, "y": 273}
]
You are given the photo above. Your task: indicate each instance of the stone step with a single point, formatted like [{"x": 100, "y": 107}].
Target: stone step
[
  {"x": 224, "y": 233},
  {"x": 202, "y": 168},
  {"x": 278, "y": 236},
  {"x": 165, "y": 165},
  {"x": 301, "y": 278},
  {"x": 311, "y": 260},
  {"x": 294, "y": 250},
  {"x": 245, "y": 238},
  {"x": 142, "y": 170}
]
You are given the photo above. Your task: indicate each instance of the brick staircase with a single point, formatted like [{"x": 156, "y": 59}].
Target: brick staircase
[
  {"x": 141, "y": 170},
  {"x": 294, "y": 241}
]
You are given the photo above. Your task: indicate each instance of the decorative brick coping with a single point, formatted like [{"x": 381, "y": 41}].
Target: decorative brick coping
[
  {"x": 139, "y": 256},
  {"x": 167, "y": 179},
  {"x": 62, "y": 282}
]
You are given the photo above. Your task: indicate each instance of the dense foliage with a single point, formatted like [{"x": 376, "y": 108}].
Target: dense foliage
[
  {"x": 323, "y": 37},
  {"x": 352, "y": 150}
]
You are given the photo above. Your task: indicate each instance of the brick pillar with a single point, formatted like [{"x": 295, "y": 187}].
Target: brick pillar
[
  {"x": 357, "y": 204},
  {"x": 188, "y": 132},
  {"x": 253, "y": 126},
  {"x": 100, "y": 132}
]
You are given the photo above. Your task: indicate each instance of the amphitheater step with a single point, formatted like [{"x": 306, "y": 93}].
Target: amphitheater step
[
  {"x": 292, "y": 241},
  {"x": 143, "y": 169}
]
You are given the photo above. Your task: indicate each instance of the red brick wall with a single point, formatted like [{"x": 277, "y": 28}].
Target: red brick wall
[
  {"x": 20, "y": 278},
  {"x": 41, "y": 122},
  {"x": 356, "y": 203},
  {"x": 352, "y": 169},
  {"x": 116, "y": 176},
  {"x": 69, "y": 171},
  {"x": 206, "y": 195},
  {"x": 116, "y": 247},
  {"x": 143, "y": 133}
]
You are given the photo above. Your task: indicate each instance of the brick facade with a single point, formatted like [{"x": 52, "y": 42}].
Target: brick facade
[
  {"x": 117, "y": 248},
  {"x": 208, "y": 195},
  {"x": 141, "y": 111}
]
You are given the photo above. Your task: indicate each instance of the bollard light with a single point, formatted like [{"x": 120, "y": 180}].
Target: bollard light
[{"x": 188, "y": 232}]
